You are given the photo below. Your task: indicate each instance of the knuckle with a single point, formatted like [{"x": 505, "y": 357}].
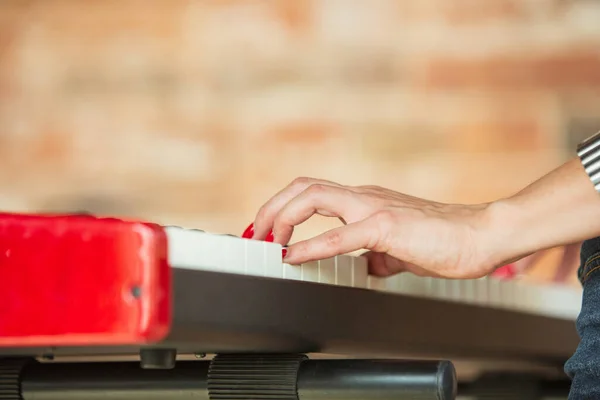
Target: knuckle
[
  {"x": 263, "y": 213},
  {"x": 384, "y": 218},
  {"x": 316, "y": 189},
  {"x": 383, "y": 237},
  {"x": 281, "y": 219},
  {"x": 384, "y": 222},
  {"x": 333, "y": 239},
  {"x": 371, "y": 187},
  {"x": 301, "y": 181}
]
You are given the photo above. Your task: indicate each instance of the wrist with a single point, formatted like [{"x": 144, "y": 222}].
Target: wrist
[
  {"x": 502, "y": 224},
  {"x": 561, "y": 208},
  {"x": 509, "y": 235}
]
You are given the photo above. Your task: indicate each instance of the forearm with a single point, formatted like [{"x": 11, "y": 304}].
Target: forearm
[{"x": 560, "y": 208}]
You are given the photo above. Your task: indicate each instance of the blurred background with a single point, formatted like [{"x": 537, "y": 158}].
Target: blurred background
[{"x": 194, "y": 113}]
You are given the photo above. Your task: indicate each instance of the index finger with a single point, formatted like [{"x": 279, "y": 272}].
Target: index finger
[
  {"x": 363, "y": 234},
  {"x": 265, "y": 217}
]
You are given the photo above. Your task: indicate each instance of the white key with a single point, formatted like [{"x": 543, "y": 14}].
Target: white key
[
  {"x": 360, "y": 272},
  {"x": 494, "y": 293},
  {"x": 194, "y": 249},
  {"x": 293, "y": 272},
  {"x": 310, "y": 271},
  {"x": 395, "y": 283},
  {"x": 343, "y": 270},
  {"x": 442, "y": 288},
  {"x": 273, "y": 260},
  {"x": 521, "y": 295},
  {"x": 509, "y": 298},
  {"x": 454, "y": 289},
  {"x": 233, "y": 256},
  {"x": 438, "y": 288},
  {"x": 376, "y": 283},
  {"x": 430, "y": 287},
  {"x": 180, "y": 245},
  {"x": 482, "y": 291},
  {"x": 327, "y": 271},
  {"x": 409, "y": 284},
  {"x": 469, "y": 291},
  {"x": 567, "y": 302},
  {"x": 255, "y": 258}
]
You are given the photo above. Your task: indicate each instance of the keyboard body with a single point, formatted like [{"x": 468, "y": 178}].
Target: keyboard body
[
  {"x": 198, "y": 250},
  {"x": 80, "y": 285}
]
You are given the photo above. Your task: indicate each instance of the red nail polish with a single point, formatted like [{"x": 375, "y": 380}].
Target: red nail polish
[
  {"x": 249, "y": 232},
  {"x": 270, "y": 237},
  {"x": 506, "y": 272},
  {"x": 283, "y": 253}
]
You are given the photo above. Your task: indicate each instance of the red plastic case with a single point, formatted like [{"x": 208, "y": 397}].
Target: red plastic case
[{"x": 76, "y": 279}]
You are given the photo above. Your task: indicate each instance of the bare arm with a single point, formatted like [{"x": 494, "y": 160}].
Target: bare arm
[{"x": 560, "y": 208}]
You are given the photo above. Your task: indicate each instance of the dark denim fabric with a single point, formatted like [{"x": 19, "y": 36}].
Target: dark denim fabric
[{"x": 584, "y": 366}]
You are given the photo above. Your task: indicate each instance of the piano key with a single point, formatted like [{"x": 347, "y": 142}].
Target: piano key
[
  {"x": 254, "y": 257},
  {"x": 343, "y": 271},
  {"x": 482, "y": 290},
  {"x": 495, "y": 292},
  {"x": 435, "y": 287},
  {"x": 454, "y": 291},
  {"x": 232, "y": 260},
  {"x": 327, "y": 271},
  {"x": 360, "y": 272},
  {"x": 407, "y": 283},
  {"x": 469, "y": 293},
  {"x": 310, "y": 271},
  {"x": 181, "y": 245},
  {"x": 566, "y": 302},
  {"x": 293, "y": 272},
  {"x": 273, "y": 264},
  {"x": 376, "y": 283}
]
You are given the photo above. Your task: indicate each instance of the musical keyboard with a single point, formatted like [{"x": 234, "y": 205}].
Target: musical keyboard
[
  {"x": 79, "y": 284},
  {"x": 198, "y": 250}
]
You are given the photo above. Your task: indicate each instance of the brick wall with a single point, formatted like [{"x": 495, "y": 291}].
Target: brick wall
[{"x": 194, "y": 112}]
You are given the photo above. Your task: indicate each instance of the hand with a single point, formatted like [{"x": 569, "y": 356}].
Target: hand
[
  {"x": 401, "y": 232},
  {"x": 405, "y": 233}
]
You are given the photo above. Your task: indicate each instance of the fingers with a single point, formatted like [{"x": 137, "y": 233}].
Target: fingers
[
  {"x": 329, "y": 201},
  {"x": 384, "y": 265},
  {"x": 380, "y": 265},
  {"x": 354, "y": 236},
  {"x": 263, "y": 222}
]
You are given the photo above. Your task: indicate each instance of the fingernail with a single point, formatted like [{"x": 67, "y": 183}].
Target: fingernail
[
  {"x": 286, "y": 255},
  {"x": 249, "y": 232},
  {"x": 270, "y": 237}
]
